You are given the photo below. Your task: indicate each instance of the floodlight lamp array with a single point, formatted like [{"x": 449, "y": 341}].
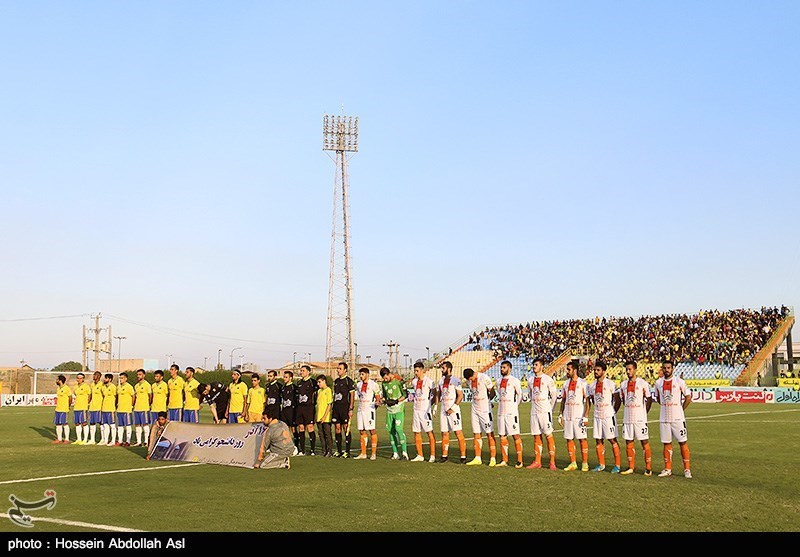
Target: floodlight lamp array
[{"x": 340, "y": 133}]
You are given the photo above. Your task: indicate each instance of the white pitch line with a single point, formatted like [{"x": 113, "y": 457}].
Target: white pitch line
[
  {"x": 99, "y": 473},
  {"x": 36, "y": 519}
]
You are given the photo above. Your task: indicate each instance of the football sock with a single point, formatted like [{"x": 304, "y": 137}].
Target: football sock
[{"x": 685, "y": 455}]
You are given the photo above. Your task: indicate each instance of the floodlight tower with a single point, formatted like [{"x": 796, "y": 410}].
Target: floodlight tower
[{"x": 340, "y": 134}]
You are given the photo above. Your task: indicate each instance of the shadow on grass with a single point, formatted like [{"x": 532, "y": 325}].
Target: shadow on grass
[{"x": 46, "y": 432}]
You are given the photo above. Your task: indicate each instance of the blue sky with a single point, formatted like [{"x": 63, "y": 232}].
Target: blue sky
[{"x": 161, "y": 163}]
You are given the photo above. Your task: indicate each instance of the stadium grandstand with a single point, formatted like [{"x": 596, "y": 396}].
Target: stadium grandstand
[{"x": 734, "y": 347}]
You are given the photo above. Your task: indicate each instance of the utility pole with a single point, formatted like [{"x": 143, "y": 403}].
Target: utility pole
[
  {"x": 393, "y": 355},
  {"x": 219, "y": 359},
  {"x": 119, "y": 353},
  {"x": 232, "y": 351},
  {"x": 97, "y": 342},
  {"x": 83, "y": 350},
  {"x": 110, "y": 348}
]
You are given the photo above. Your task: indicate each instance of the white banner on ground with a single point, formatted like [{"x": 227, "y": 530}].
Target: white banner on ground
[{"x": 226, "y": 444}]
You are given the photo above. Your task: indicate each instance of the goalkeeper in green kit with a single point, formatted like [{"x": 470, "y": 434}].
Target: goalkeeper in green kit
[{"x": 394, "y": 394}]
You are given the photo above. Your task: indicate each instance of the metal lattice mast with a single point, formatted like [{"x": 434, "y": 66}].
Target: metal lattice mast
[{"x": 340, "y": 134}]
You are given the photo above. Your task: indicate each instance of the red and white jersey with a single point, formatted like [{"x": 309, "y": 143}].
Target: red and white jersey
[
  {"x": 509, "y": 393},
  {"x": 574, "y": 393},
  {"x": 367, "y": 393},
  {"x": 602, "y": 395},
  {"x": 480, "y": 384},
  {"x": 634, "y": 394},
  {"x": 423, "y": 393},
  {"x": 670, "y": 394},
  {"x": 543, "y": 394},
  {"x": 449, "y": 387}
]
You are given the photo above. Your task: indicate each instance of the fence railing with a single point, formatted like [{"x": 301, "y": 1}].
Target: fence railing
[{"x": 759, "y": 361}]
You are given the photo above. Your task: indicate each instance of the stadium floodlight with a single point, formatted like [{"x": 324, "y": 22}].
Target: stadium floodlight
[{"x": 340, "y": 133}]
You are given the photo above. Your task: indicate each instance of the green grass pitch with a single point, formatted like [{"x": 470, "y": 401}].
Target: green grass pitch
[{"x": 744, "y": 461}]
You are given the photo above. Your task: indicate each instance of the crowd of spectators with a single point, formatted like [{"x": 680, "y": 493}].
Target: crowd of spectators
[{"x": 709, "y": 336}]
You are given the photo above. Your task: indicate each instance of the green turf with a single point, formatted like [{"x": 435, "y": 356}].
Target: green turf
[{"x": 744, "y": 461}]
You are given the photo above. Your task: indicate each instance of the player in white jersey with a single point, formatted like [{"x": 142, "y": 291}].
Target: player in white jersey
[
  {"x": 369, "y": 398},
  {"x": 673, "y": 396},
  {"x": 573, "y": 416},
  {"x": 544, "y": 397},
  {"x": 449, "y": 396},
  {"x": 482, "y": 394},
  {"x": 424, "y": 400},
  {"x": 603, "y": 394},
  {"x": 635, "y": 395},
  {"x": 509, "y": 394}
]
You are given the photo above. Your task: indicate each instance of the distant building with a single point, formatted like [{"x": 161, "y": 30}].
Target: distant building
[
  {"x": 127, "y": 364},
  {"x": 16, "y": 379}
]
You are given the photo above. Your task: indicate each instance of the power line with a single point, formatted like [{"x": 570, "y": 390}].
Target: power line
[
  {"x": 43, "y": 318},
  {"x": 199, "y": 336}
]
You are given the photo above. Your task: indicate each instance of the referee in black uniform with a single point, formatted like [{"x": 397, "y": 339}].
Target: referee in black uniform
[
  {"x": 344, "y": 397},
  {"x": 288, "y": 403},
  {"x": 272, "y": 403},
  {"x": 305, "y": 409}
]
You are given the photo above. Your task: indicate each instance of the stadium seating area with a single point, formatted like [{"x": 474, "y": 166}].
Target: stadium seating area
[{"x": 710, "y": 344}]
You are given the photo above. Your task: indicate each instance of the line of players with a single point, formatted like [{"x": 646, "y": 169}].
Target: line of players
[
  {"x": 577, "y": 398},
  {"x": 120, "y": 409}
]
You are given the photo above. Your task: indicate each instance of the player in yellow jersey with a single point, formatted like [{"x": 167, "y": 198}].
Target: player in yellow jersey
[
  {"x": 141, "y": 408},
  {"x": 80, "y": 413},
  {"x": 324, "y": 412},
  {"x": 95, "y": 406},
  {"x": 256, "y": 398},
  {"x": 238, "y": 391},
  {"x": 125, "y": 395},
  {"x": 63, "y": 402},
  {"x": 176, "y": 385},
  {"x": 109, "y": 391},
  {"x": 160, "y": 393},
  {"x": 191, "y": 398}
]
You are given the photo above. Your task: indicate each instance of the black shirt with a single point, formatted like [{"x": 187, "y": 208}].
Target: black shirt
[
  {"x": 288, "y": 396},
  {"x": 306, "y": 389},
  {"x": 342, "y": 387},
  {"x": 273, "y": 393}
]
